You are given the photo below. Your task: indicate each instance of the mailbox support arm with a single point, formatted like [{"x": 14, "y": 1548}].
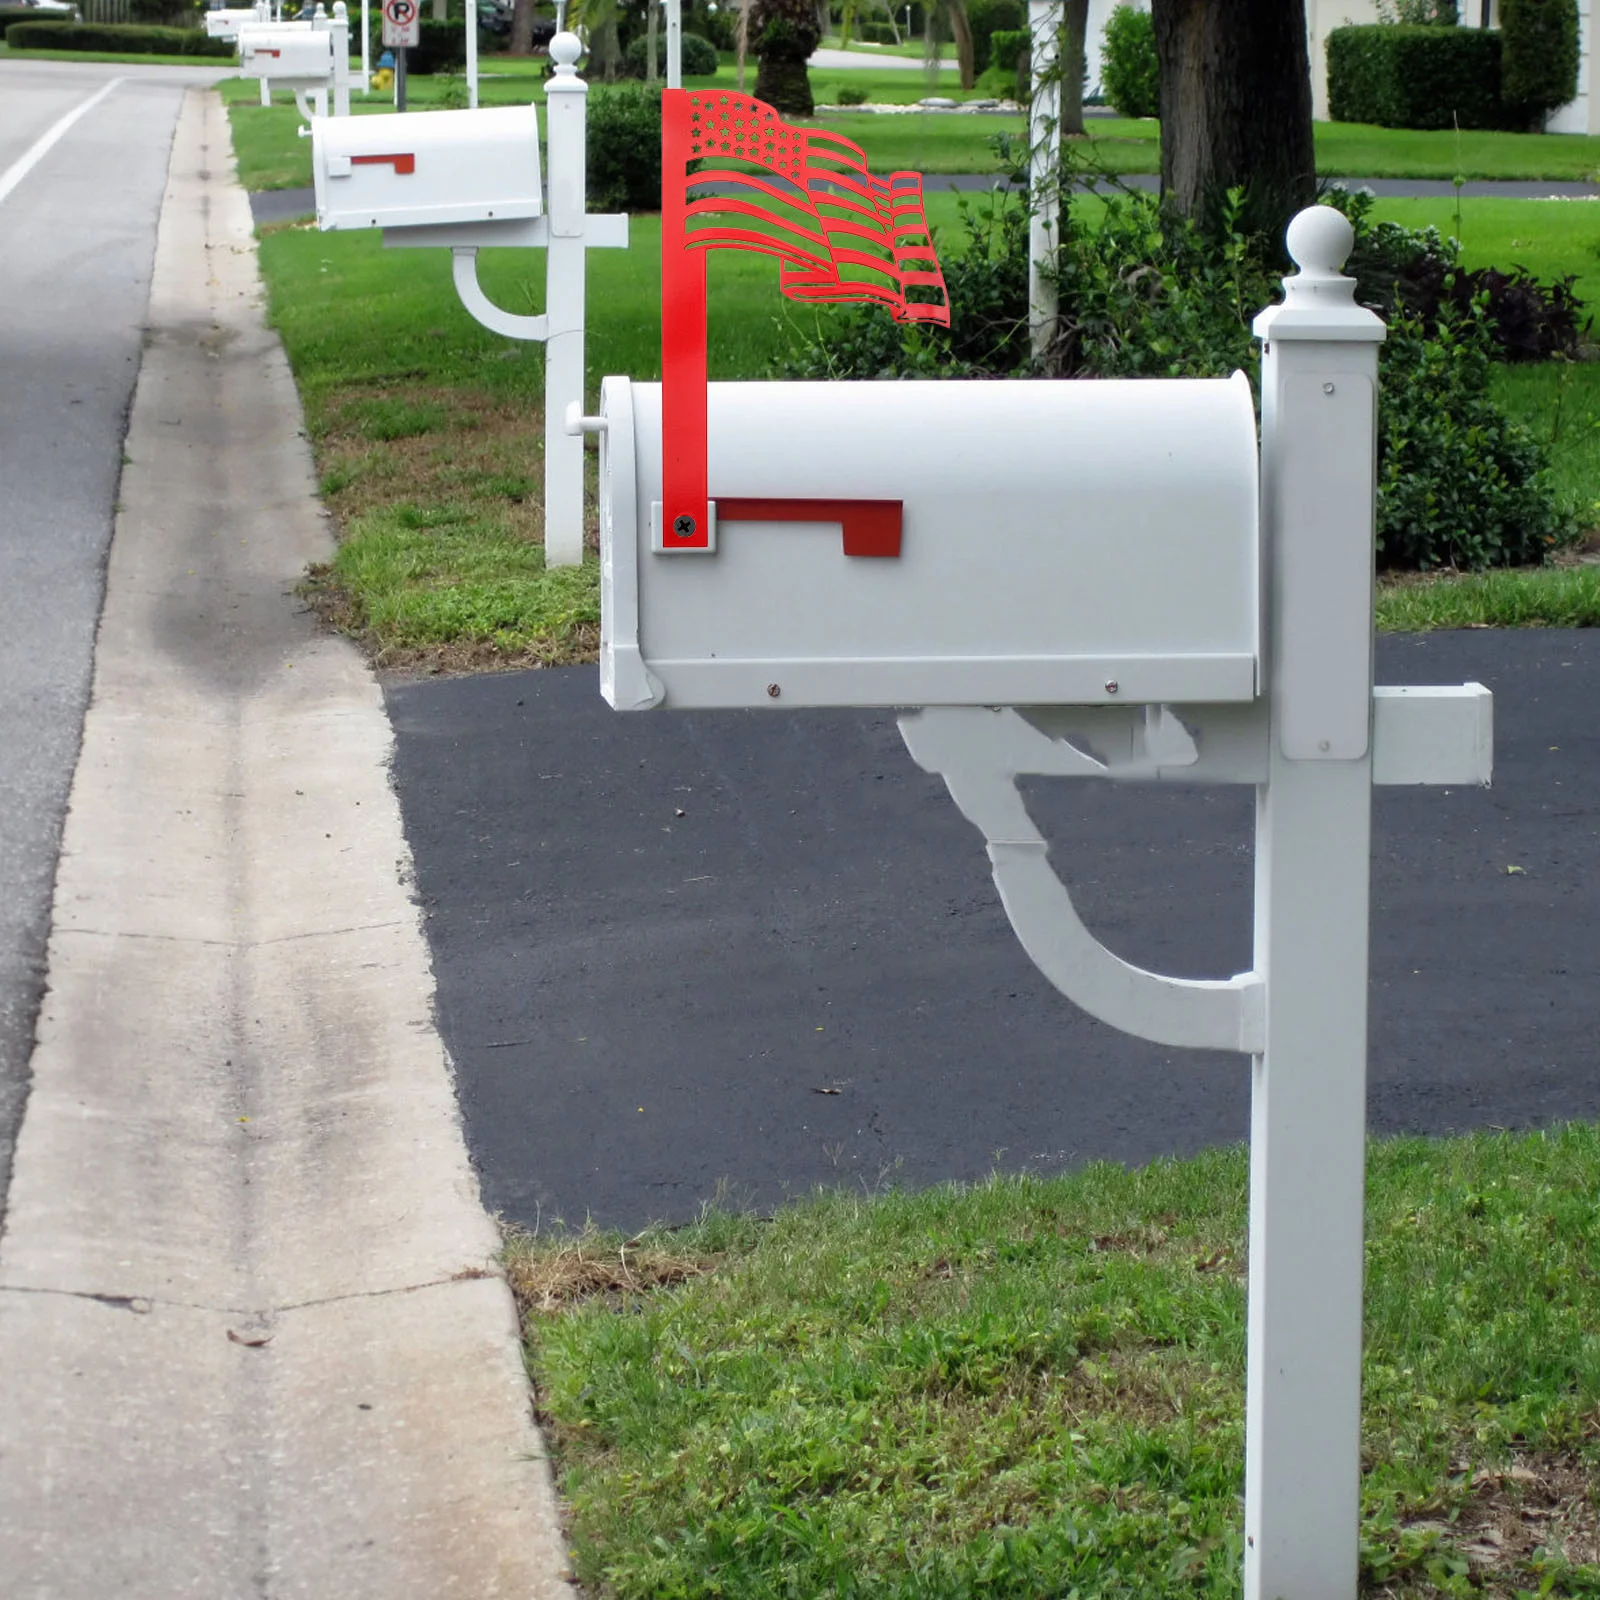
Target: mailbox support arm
[
  {"x": 979, "y": 754},
  {"x": 464, "y": 263}
]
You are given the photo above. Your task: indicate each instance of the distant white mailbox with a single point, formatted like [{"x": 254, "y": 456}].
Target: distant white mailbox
[
  {"x": 303, "y": 55},
  {"x": 405, "y": 171},
  {"x": 923, "y": 544}
]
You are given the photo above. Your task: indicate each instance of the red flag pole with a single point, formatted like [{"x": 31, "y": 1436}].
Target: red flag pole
[{"x": 685, "y": 521}]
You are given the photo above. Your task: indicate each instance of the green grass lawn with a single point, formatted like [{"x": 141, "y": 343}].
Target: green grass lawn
[
  {"x": 1034, "y": 1386},
  {"x": 272, "y": 156}
]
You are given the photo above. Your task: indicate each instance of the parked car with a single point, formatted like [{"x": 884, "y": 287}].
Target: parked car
[{"x": 49, "y": 8}]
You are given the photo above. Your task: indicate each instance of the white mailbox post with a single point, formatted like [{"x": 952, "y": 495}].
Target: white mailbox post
[
  {"x": 310, "y": 58},
  {"x": 1072, "y": 579},
  {"x": 470, "y": 180}
]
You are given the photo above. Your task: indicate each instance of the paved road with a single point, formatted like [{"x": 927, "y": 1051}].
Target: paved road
[
  {"x": 77, "y": 232},
  {"x": 643, "y": 1004}
]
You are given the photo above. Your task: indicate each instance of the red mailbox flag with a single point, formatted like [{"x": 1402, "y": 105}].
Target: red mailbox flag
[{"x": 802, "y": 195}]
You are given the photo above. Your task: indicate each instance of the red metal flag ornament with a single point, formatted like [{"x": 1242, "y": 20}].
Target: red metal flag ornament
[{"x": 735, "y": 176}]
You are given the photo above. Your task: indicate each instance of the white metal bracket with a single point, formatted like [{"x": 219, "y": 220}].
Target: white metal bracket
[
  {"x": 1429, "y": 735},
  {"x": 482, "y": 309}
]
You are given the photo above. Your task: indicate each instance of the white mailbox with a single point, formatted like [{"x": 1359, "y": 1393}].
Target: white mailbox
[
  {"x": 408, "y": 170},
  {"x": 1059, "y": 544},
  {"x": 303, "y": 56}
]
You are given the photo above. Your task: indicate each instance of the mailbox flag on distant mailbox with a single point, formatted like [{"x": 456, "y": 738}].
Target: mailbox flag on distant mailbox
[{"x": 735, "y": 176}]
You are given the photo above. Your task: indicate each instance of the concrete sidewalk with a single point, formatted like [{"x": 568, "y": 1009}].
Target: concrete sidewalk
[{"x": 252, "y": 1339}]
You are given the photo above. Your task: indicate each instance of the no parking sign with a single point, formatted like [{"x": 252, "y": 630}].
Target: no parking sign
[{"x": 402, "y": 24}]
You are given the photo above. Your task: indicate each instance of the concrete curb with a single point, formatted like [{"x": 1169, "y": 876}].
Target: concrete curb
[{"x": 250, "y": 1339}]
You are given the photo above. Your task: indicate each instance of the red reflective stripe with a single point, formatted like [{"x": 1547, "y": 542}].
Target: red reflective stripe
[
  {"x": 404, "y": 165},
  {"x": 871, "y": 527}
]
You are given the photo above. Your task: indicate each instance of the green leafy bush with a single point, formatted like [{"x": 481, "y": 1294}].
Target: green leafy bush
[
  {"x": 1458, "y": 484},
  {"x": 986, "y": 18},
  {"x": 10, "y": 14},
  {"x": 699, "y": 56},
  {"x": 1009, "y": 48},
  {"x": 1539, "y": 57},
  {"x": 1129, "y": 75},
  {"x": 1415, "y": 272},
  {"x": 625, "y": 148},
  {"x": 115, "y": 38},
  {"x": 1415, "y": 77},
  {"x": 849, "y": 95},
  {"x": 1143, "y": 295}
]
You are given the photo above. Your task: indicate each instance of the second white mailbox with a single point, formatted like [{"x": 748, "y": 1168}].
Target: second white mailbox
[
  {"x": 305, "y": 55},
  {"x": 1060, "y": 544},
  {"x": 404, "y": 170}
]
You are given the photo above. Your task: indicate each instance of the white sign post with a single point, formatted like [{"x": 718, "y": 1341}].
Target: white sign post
[
  {"x": 470, "y": 180},
  {"x": 1044, "y": 171},
  {"x": 1101, "y": 612},
  {"x": 472, "y": 55},
  {"x": 402, "y": 24}
]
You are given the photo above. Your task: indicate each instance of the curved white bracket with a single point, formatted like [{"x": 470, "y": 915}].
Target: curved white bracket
[
  {"x": 311, "y": 103},
  {"x": 482, "y": 309},
  {"x": 979, "y": 753}
]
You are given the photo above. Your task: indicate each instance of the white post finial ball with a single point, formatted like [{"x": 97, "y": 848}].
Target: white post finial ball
[
  {"x": 1320, "y": 240},
  {"x": 565, "y": 49}
]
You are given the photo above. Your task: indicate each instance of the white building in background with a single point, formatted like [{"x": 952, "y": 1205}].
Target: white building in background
[{"x": 1580, "y": 115}]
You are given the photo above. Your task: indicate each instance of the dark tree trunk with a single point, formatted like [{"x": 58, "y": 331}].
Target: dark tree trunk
[
  {"x": 966, "y": 52},
  {"x": 785, "y": 86},
  {"x": 1074, "y": 30},
  {"x": 521, "y": 41},
  {"x": 1235, "y": 108}
]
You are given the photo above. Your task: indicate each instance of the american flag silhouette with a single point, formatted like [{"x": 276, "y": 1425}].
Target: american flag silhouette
[
  {"x": 807, "y": 197},
  {"x": 735, "y": 176}
]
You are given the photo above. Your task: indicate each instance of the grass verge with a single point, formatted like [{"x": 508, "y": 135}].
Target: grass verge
[{"x": 1034, "y": 1386}]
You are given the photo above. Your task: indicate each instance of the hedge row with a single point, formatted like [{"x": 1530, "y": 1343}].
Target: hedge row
[
  {"x": 1415, "y": 77},
  {"x": 115, "y": 38}
]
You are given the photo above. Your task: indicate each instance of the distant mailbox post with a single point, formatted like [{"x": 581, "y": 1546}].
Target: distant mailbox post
[
  {"x": 471, "y": 180},
  {"x": 1107, "y": 580}
]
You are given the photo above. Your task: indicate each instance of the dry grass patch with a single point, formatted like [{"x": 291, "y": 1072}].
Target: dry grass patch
[{"x": 548, "y": 1279}]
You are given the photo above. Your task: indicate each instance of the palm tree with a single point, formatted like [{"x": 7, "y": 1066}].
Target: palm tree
[{"x": 785, "y": 33}]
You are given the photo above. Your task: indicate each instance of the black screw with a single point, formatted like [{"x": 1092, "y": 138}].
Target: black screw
[{"x": 683, "y": 527}]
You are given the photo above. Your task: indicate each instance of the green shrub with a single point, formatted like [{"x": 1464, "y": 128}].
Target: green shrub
[
  {"x": 988, "y": 17},
  {"x": 1415, "y": 272},
  {"x": 849, "y": 95},
  {"x": 1458, "y": 484},
  {"x": 625, "y": 148},
  {"x": 10, "y": 14},
  {"x": 1009, "y": 48},
  {"x": 874, "y": 33},
  {"x": 1539, "y": 57},
  {"x": 116, "y": 39},
  {"x": 1146, "y": 296},
  {"x": 699, "y": 56},
  {"x": 1415, "y": 77},
  {"x": 1129, "y": 74}
]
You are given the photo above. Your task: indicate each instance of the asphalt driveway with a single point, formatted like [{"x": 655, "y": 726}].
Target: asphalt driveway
[{"x": 684, "y": 955}]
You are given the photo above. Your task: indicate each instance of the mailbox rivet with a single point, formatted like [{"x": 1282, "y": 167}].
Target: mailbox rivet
[
  {"x": 1111, "y": 686},
  {"x": 683, "y": 527},
  {"x": 1327, "y": 388},
  {"x": 773, "y": 691}
]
